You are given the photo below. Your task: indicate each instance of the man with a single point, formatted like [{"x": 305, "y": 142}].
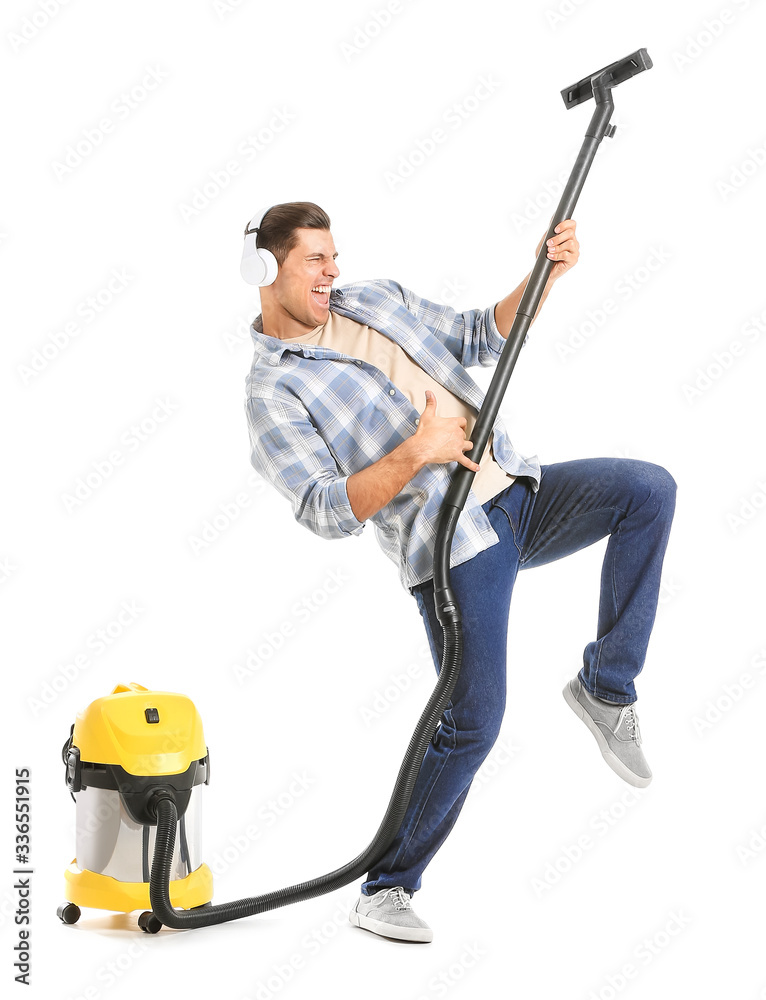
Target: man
[{"x": 359, "y": 405}]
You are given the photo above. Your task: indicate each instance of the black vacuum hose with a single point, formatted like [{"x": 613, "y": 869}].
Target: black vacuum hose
[
  {"x": 167, "y": 814},
  {"x": 598, "y": 86}
]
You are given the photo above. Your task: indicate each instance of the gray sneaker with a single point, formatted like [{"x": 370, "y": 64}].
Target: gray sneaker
[
  {"x": 616, "y": 730},
  {"x": 389, "y": 913}
]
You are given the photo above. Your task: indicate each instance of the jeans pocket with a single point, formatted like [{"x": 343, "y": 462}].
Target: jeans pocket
[{"x": 505, "y": 507}]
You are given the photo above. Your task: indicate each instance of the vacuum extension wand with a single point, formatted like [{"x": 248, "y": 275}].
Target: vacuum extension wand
[{"x": 599, "y": 86}]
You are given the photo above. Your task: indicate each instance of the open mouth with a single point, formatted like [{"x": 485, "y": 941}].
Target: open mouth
[{"x": 321, "y": 294}]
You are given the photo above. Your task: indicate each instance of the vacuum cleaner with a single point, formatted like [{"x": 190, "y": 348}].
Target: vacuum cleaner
[{"x": 136, "y": 759}]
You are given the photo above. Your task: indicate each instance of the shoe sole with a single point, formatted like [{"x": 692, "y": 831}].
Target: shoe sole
[
  {"x": 612, "y": 760},
  {"x": 420, "y": 935}
]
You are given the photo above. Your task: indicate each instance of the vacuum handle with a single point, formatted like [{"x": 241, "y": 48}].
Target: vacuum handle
[
  {"x": 606, "y": 78},
  {"x": 598, "y": 127}
]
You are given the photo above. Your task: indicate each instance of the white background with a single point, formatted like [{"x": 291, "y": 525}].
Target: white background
[{"x": 662, "y": 883}]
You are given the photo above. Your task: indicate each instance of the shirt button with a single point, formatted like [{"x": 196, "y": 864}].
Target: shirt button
[
  {"x": 358, "y": 362},
  {"x": 417, "y": 420},
  {"x": 392, "y": 392}
]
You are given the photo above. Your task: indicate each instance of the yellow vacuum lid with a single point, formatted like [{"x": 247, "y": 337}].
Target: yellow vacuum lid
[{"x": 145, "y": 732}]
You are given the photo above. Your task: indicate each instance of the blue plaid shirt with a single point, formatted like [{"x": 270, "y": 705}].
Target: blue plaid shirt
[{"x": 316, "y": 416}]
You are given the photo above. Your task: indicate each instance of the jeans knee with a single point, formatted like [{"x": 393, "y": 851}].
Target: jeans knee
[
  {"x": 654, "y": 482},
  {"x": 474, "y": 736},
  {"x": 484, "y": 736},
  {"x": 663, "y": 484}
]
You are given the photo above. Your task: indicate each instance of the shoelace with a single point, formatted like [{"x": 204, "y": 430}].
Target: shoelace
[
  {"x": 399, "y": 898},
  {"x": 628, "y": 715}
]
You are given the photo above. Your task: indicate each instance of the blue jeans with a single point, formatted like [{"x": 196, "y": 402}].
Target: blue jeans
[{"x": 578, "y": 503}]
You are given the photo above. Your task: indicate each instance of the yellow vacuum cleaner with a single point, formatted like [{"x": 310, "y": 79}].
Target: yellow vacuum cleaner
[{"x": 121, "y": 749}]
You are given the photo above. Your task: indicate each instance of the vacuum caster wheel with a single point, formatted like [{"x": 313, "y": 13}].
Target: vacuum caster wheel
[
  {"x": 68, "y": 913},
  {"x": 149, "y": 923}
]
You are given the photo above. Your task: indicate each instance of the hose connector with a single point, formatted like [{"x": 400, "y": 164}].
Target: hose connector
[
  {"x": 446, "y": 606},
  {"x": 158, "y": 794}
]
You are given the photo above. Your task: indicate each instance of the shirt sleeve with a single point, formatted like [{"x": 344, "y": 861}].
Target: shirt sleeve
[
  {"x": 471, "y": 336},
  {"x": 287, "y": 450}
]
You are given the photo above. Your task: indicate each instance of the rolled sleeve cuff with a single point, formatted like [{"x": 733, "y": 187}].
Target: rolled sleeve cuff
[
  {"x": 495, "y": 340},
  {"x": 341, "y": 506}
]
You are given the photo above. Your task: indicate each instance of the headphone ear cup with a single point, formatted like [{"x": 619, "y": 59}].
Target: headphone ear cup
[
  {"x": 259, "y": 266},
  {"x": 270, "y": 266},
  {"x": 251, "y": 268}
]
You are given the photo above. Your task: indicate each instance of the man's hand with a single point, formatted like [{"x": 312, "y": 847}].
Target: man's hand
[
  {"x": 442, "y": 439},
  {"x": 437, "y": 439},
  {"x": 564, "y": 250},
  {"x": 562, "y": 247}
]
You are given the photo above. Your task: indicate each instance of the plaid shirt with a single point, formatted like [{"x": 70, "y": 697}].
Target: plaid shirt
[{"x": 316, "y": 416}]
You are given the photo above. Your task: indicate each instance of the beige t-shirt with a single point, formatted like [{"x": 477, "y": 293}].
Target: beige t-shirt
[{"x": 339, "y": 333}]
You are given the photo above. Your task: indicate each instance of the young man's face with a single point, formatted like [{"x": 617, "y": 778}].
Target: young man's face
[{"x": 309, "y": 265}]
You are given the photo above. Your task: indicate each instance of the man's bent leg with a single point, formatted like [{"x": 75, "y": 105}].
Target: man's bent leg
[{"x": 578, "y": 503}]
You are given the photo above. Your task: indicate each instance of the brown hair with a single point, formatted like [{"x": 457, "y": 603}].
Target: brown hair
[{"x": 277, "y": 229}]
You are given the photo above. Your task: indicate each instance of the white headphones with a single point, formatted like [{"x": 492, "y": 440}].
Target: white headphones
[{"x": 258, "y": 266}]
